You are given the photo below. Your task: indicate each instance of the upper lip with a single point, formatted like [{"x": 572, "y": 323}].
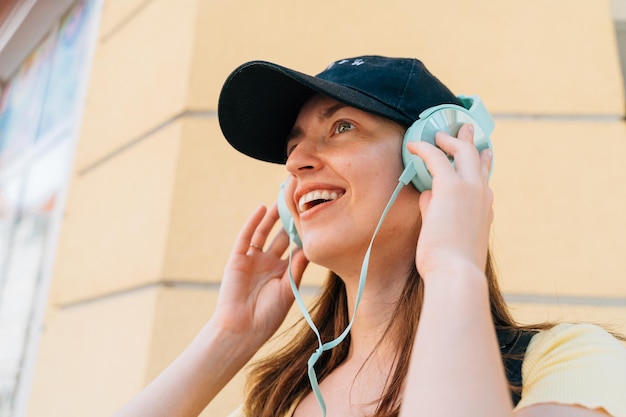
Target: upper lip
[{"x": 307, "y": 188}]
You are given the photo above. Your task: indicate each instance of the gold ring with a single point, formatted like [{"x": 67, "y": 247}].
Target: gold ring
[{"x": 255, "y": 246}]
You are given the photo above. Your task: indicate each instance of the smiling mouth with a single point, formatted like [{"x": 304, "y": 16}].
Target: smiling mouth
[{"x": 317, "y": 197}]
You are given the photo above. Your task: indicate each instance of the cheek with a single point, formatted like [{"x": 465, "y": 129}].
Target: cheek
[
  {"x": 412, "y": 207},
  {"x": 392, "y": 169},
  {"x": 374, "y": 176},
  {"x": 405, "y": 218},
  {"x": 391, "y": 154}
]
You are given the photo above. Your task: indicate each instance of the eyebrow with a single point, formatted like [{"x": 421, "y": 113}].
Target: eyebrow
[
  {"x": 328, "y": 113},
  {"x": 293, "y": 134},
  {"x": 324, "y": 115}
]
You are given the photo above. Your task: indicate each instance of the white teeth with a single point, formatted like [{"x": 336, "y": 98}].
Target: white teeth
[{"x": 316, "y": 195}]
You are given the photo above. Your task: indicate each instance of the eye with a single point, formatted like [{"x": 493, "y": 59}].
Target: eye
[
  {"x": 290, "y": 149},
  {"x": 343, "y": 127},
  {"x": 291, "y": 146}
]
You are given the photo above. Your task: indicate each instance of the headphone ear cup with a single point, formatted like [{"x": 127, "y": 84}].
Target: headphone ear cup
[
  {"x": 448, "y": 118},
  {"x": 286, "y": 218}
]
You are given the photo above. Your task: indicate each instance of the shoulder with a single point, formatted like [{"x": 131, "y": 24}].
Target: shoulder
[
  {"x": 575, "y": 364},
  {"x": 568, "y": 341}
]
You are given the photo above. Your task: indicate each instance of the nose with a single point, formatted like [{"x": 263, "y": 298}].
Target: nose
[{"x": 304, "y": 157}]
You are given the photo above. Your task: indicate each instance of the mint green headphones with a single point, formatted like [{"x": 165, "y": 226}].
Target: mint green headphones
[
  {"x": 445, "y": 117},
  {"x": 448, "y": 118}
]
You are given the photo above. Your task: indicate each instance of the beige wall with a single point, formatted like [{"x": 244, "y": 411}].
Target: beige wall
[{"x": 157, "y": 196}]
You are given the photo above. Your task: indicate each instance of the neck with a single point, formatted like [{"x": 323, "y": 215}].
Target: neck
[{"x": 385, "y": 284}]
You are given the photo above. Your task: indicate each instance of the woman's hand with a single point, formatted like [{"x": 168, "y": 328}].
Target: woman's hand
[
  {"x": 451, "y": 257},
  {"x": 256, "y": 295},
  {"x": 254, "y": 299},
  {"x": 457, "y": 212}
]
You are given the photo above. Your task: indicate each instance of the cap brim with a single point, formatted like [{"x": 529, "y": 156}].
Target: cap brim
[{"x": 260, "y": 101}]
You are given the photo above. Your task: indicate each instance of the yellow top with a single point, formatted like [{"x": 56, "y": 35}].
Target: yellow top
[{"x": 577, "y": 364}]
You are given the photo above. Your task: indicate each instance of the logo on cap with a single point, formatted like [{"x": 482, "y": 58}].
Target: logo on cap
[{"x": 356, "y": 62}]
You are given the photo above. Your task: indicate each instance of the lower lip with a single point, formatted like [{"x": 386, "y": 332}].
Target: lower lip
[{"x": 313, "y": 210}]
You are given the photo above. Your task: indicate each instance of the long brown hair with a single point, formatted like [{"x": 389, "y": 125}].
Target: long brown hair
[{"x": 278, "y": 381}]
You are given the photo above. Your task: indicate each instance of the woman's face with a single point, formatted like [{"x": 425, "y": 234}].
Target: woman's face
[{"x": 345, "y": 164}]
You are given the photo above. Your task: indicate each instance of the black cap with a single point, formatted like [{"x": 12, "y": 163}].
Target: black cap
[{"x": 260, "y": 101}]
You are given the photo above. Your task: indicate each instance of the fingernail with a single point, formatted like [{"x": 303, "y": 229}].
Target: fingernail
[{"x": 470, "y": 127}]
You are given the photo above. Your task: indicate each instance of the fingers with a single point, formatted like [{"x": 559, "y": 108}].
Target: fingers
[
  {"x": 486, "y": 158},
  {"x": 466, "y": 158},
  {"x": 424, "y": 201},
  {"x": 466, "y": 133},
  {"x": 279, "y": 243},
  {"x": 468, "y": 163},
  {"x": 436, "y": 161},
  {"x": 252, "y": 237},
  {"x": 264, "y": 228},
  {"x": 244, "y": 238}
]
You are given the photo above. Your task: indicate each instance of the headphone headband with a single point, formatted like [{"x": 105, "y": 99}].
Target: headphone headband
[{"x": 479, "y": 112}]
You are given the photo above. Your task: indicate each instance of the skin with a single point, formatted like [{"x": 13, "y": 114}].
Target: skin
[
  {"x": 322, "y": 149},
  {"x": 321, "y": 154},
  {"x": 452, "y": 223}
]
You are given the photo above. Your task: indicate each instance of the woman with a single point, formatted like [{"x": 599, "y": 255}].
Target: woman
[{"x": 431, "y": 293}]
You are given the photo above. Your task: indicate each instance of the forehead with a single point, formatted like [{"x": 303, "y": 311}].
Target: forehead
[
  {"x": 318, "y": 107},
  {"x": 321, "y": 108}
]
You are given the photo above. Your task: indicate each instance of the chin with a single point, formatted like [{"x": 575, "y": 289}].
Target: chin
[
  {"x": 317, "y": 254},
  {"x": 333, "y": 254}
]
